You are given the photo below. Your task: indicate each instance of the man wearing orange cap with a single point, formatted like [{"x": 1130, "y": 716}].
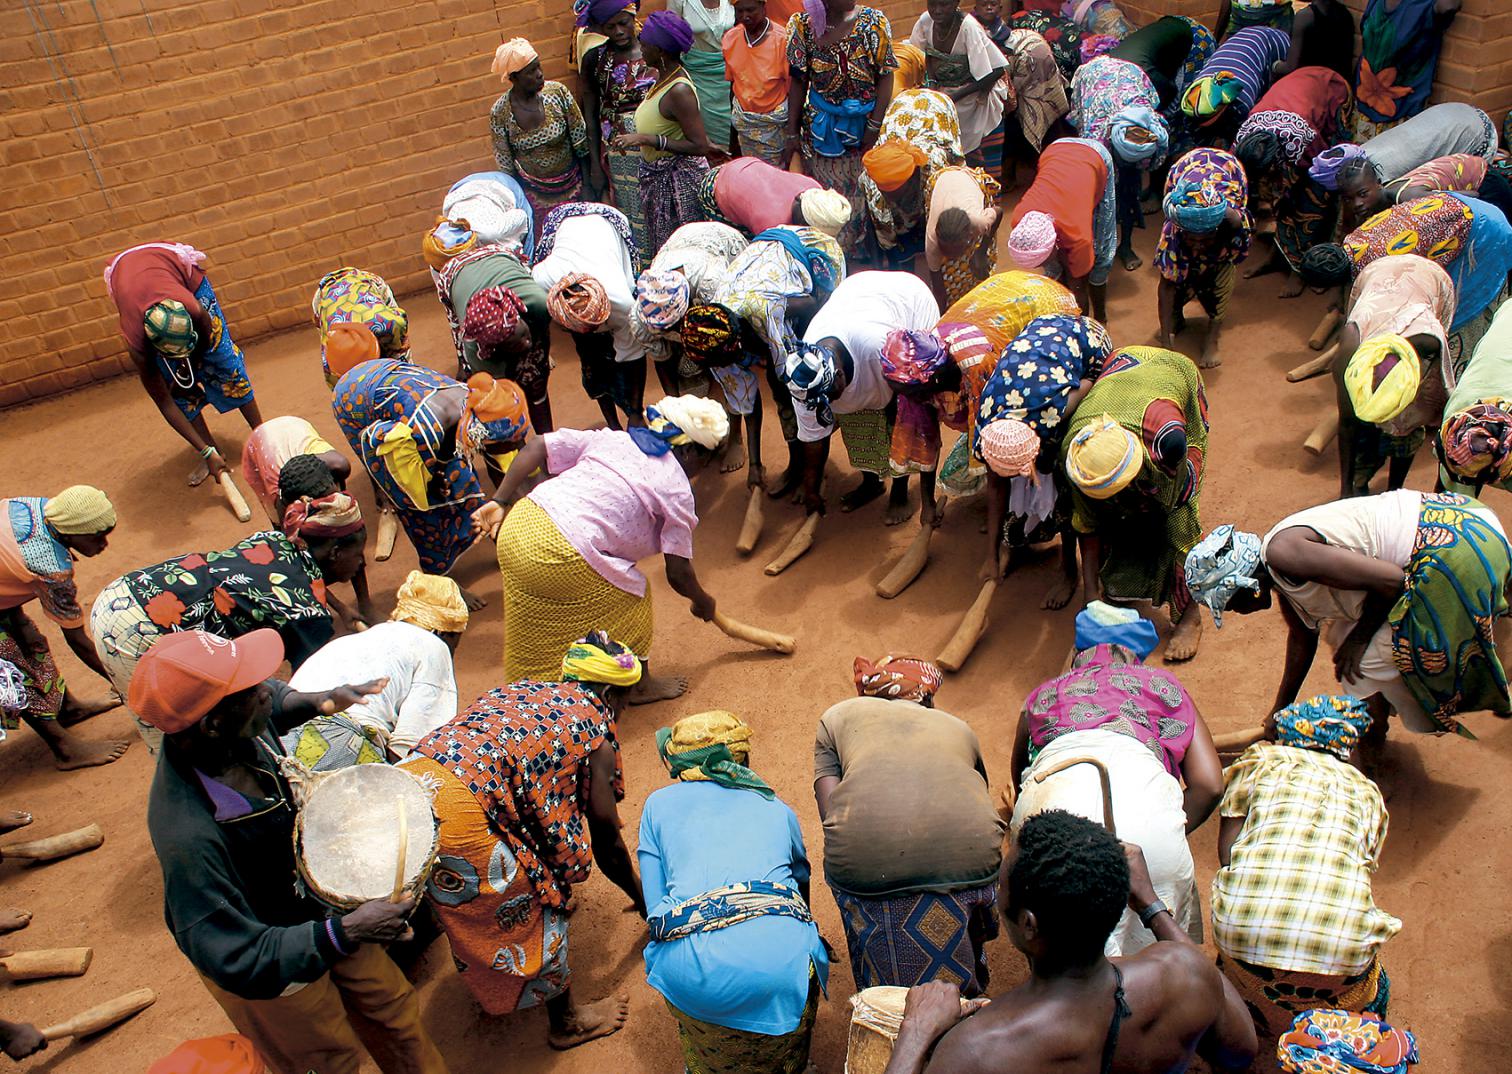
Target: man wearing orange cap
[{"x": 221, "y": 819}]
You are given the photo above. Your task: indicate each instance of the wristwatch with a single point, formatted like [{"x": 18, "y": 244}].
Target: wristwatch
[{"x": 1148, "y": 913}]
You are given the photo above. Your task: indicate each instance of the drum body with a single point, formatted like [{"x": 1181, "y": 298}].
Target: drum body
[{"x": 347, "y": 835}]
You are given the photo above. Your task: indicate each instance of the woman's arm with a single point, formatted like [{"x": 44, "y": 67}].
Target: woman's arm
[
  {"x": 971, "y": 89},
  {"x": 157, "y": 391},
  {"x": 530, "y": 458},
  {"x": 609, "y": 849},
  {"x": 1020, "y": 759},
  {"x": 680, "y": 104},
  {"x": 1349, "y": 342},
  {"x": 684, "y": 582},
  {"x": 879, "y": 110},
  {"x": 1202, "y": 772},
  {"x": 591, "y": 105},
  {"x": 997, "y": 511},
  {"x": 1165, "y": 310},
  {"x": 1090, "y": 546},
  {"x": 1228, "y": 833},
  {"x": 1301, "y": 648},
  {"x": 824, "y": 787}
]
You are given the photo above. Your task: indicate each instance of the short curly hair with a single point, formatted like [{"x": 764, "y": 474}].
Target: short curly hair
[
  {"x": 1072, "y": 875},
  {"x": 305, "y": 475}
]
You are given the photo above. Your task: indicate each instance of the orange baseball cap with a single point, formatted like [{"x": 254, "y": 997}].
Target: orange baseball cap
[{"x": 188, "y": 673}]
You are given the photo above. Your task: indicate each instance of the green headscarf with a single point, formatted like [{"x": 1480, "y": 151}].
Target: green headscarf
[{"x": 705, "y": 747}]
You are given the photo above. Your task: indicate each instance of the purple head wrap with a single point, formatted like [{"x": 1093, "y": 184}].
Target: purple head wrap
[
  {"x": 598, "y": 12},
  {"x": 911, "y": 357},
  {"x": 818, "y": 17},
  {"x": 668, "y": 32},
  {"x": 1327, "y": 164}
]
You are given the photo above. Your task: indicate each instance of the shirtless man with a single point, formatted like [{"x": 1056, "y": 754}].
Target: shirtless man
[{"x": 1079, "y": 1011}]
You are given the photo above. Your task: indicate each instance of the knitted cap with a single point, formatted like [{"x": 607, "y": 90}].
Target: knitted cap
[{"x": 80, "y": 509}]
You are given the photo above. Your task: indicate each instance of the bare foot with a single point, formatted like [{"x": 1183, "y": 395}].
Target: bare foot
[
  {"x": 1182, "y": 645},
  {"x": 734, "y": 456},
  {"x": 11, "y": 819},
  {"x": 870, "y": 488},
  {"x": 75, "y": 711},
  {"x": 1293, "y": 288},
  {"x": 1060, "y": 593},
  {"x": 473, "y": 601},
  {"x": 1129, "y": 259},
  {"x": 198, "y": 475},
  {"x": 655, "y": 688},
  {"x": 589, "y": 1021},
  {"x": 899, "y": 509},
  {"x": 12, "y": 920},
  {"x": 80, "y": 753},
  {"x": 1209, "y": 359},
  {"x": 786, "y": 483}
]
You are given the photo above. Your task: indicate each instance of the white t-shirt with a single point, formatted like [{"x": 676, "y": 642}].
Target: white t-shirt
[
  {"x": 860, "y": 313},
  {"x": 421, "y": 694},
  {"x": 590, "y": 244}
]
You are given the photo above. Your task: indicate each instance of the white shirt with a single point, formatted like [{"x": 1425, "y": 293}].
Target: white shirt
[
  {"x": 421, "y": 694},
  {"x": 589, "y": 244},
  {"x": 860, "y": 313}
]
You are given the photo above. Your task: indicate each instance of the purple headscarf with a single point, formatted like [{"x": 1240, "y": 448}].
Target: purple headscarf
[
  {"x": 1327, "y": 164},
  {"x": 598, "y": 12},
  {"x": 818, "y": 16},
  {"x": 668, "y": 32}
]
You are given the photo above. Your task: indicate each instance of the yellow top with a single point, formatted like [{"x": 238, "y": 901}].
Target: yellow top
[{"x": 649, "y": 119}]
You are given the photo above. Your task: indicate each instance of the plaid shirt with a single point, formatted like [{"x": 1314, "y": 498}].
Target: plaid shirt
[{"x": 1295, "y": 895}]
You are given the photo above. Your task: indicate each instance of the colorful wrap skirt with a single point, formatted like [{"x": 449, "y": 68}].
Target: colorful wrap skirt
[
  {"x": 216, "y": 375},
  {"x": 41, "y": 681},
  {"x": 711, "y": 1049},
  {"x": 1275, "y": 997},
  {"x": 669, "y": 196},
  {"x": 868, "y": 440},
  {"x": 908, "y": 940}
]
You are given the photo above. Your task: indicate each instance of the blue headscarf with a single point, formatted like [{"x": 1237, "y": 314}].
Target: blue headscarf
[
  {"x": 1196, "y": 206},
  {"x": 1139, "y": 117},
  {"x": 1222, "y": 563},
  {"x": 1330, "y": 724},
  {"x": 818, "y": 263},
  {"x": 1104, "y": 624},
  {"x": 809, "y": 374}
]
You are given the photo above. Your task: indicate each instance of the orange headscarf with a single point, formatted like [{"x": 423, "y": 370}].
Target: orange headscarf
[
  {"x": 578, "y": 302},
  {"x": 892, "y": 163},
  {"x": 349, "y": 344},
  {"x": 495, "y": 412}
]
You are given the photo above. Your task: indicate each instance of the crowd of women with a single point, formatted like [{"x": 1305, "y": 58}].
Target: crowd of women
[{"x": 795, "y": 199}]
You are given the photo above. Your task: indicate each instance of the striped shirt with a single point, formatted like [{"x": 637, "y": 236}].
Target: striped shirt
[
  {"x": 1296, "y": 893},
  {"x": 1249, "y": 54}
]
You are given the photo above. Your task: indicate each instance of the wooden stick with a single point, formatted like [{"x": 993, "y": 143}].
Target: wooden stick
[
  {"x": 1326, "y": 328},
  {"x": 403, "y": 853},
  {"x": 102, "y": 1017},
  {"x": 56, "y": 846},
  {"x": 234, "y": 498},
  {"x": 1102, "y": 776},
  {"x": 388, "y": 533},
  {"x": 912, "y": 563},
  {"x": 1314, "y": 367},
  {"x": 755, "y": 518},
  {"x": 800, "y": 543},
  {"x": 1322, "y": 434},
  {"x": 59, "y": 962},
  {"x": 973, "y": 625},
  {"x": 765, "y": 639}
]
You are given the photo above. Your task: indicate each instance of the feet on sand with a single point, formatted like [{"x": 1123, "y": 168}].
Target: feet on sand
[
  {"x": 589, "y": 1021},
  {"x": 1209, "y": 359},
  {"x": 75, "y": 711},
  {"x": 657, "y": 688},
  {"x": 899, "y": 508},
  {"x": 787, "y": 482},
  {"x": 1182, "y": 645},
  {"x": 1060, "y": 593},
  {"x": 1129, "y": 259},
  {"x": 11, "y": 920},
  {"x": 734, "y": 456},
  {"x": 74, "y": 753},
  {"x": 870, "y": 488},
  {"x": 11, "y": 819},
  {"x": 1293, "y": 288},
  {"x": 473, "y": 601}
]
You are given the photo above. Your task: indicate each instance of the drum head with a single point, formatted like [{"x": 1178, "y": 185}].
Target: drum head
[{"x": 349, "y": 834}]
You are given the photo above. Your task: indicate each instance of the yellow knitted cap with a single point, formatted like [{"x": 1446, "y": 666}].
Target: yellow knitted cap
[{"x": 80, "y": 509}]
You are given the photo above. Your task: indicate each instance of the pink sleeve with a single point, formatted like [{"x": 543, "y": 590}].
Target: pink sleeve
[
  {"x": 563, "y": 448},
  {"x": 677, "y": 518}
]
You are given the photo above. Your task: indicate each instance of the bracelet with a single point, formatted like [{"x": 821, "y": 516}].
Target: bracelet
[
  {"x": 661, "y": 142},
  {"x": 331, "y": 935},
  {"x": 206, "y": 452}
]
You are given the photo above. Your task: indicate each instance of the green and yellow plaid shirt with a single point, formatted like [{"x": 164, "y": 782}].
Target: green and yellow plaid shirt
[{"x": 1295, "y": 895}]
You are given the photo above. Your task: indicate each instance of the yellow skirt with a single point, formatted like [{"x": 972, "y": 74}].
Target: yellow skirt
[{"x": 553, "y": 597}]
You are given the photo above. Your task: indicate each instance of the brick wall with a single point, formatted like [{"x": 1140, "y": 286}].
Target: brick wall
[{"x": 288, "y": 137}]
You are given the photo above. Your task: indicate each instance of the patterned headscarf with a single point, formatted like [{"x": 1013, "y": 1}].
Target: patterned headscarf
[
  {"x": 667, "y": 31},
  {"x": 1196, "y": 206},
  {"x": 898, "y": 678},
  {"x": 1138, "y": 135},
  {"x": 681, "y": 419},
  {"x": 892, "y": 163},
  {"x": 1327, "y": 164},
  {"x": 1103, "y": 459},
  {"x": 1330, "y": 724},
  {"x": 495, "y": 413},
  {"x": 1382, "y": 378},
  {"x": 330, "y": 516},
  {"x": 662, "y": 297},
  {"x": 1207, "y": 97},
  {"x": 170, "y": 329},
  {"x": 910, "y": 357},
  {"x": 1327, "y": 1041},
  {"x": 711, "y": 336},
  {"x": 446, "y": 240},
  {"x": 1478, "y": 439},
  {"x": 809, "y": 374},
  {"x": 711, "y": 747},
  {"x": 1222, "y": 563},
  {"x": 579, "y": 303},
  {"x": 1010, "y": 447},
  {"x": 431, "y": 602},
  {"x": 598, "y": 659},
  {"x": 1032, "y": 240},
  {"x": 512, "y": 57},
  {"x": 1100, "y": 623},
  {"x": 492, "y": 317}
]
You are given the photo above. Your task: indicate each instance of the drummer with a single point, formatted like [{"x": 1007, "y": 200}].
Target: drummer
[{"x": 221, "y": 818}]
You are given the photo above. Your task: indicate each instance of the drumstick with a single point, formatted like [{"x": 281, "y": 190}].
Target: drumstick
[
  {"x": 1325, "y": 329},
  {"x": 800, "y": 543},
  {"x": 755, "y": 518},
  {"x": 102, "y": 1017},
  {"x": 1102, "y": 776},
  {"x": 912, "y": 563},
  {"x": 403, "y": 853},
  {"x": 234, "y": 497},
  {"x": 388, "y": 533},
  {"x": 1314, "y": 367},
  {"x": 56, "y": 846},
  {"x": 766, "y": 639},
  {"x": 61, "y": 962},
  {"x": 1322, "y": 434},
  {"x": 973, "y": 625}
]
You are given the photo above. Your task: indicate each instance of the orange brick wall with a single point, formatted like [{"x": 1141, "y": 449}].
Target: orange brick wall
[{"x": 288, "y": 137}]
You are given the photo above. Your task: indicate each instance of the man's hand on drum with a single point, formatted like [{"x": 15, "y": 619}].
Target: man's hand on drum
[
  {"x": 380, "y": 921},
  {"x": 342, "y": 698}
]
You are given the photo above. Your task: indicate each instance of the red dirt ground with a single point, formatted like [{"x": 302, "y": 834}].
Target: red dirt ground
[{"x": 1441, "y": 861}]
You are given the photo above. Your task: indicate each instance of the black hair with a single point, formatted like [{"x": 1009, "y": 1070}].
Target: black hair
[
  {"x": 305, "y": 475},
  {"x": 1354, "y": 168},
  {"x": 1072, "y": 874},
  {"x": 954, "y": 226},
  {"x": 1259, "y": 151},
  {"x": 1326, "y": 265},
  {"x": 323, "y": 548}
]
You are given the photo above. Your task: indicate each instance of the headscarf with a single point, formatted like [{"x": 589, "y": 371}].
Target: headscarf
[
  {"x": 1478, "y": 439},
  {"x": 911, "y": 66},
  {"x": 431, "y": 602},
  {"x": 1032, "y": 240},
  {"x": 1382, "y": 378},
  {"x": 492, "y": 316},
  {"x": 892, "y": 163},
  {"x": 910, "y": 357},
  {"x": 598, "y": 659},
  {"x": 662, "y": 297},
  {"x": 711, "y": 747},
  {"x": 495, "y": 413},
  {"x": 1138, "y": 117},
  {"x": 827, "y": 210},
  {"x": 1103, "y": 458},
  {"x": 711, "y": 335},
  {"x": 809, "y": 374},
  {"x": 1104, "y": 624},
  {"x": 330, "y": 516},
  {"x": 667, "y": 31},
  {"x": 1329, "y": 1041},
  {"x": 1009, "y": 447},
  {"x": 579, "y": 303},
  {"x": 79, "y": 510},
  {"x": 1196, "y": 206},
  {"x": 598, "y": 12},
  {"x": 446, "y": 240},
  {"x": 1329, "y": 724},
  {"x": 1207, "y": 97},
  {"x": 898, "y": 678},
  {"x": 513, "y": 56},
  {"x": 1327, "y": 164},
  {"x": 170, "y": 329},
  {"x": 230, "y": 1053},
  {"x": 348, "y": 344},
  {"x": 1222, "y": 563},
  {"x": 818, "y": 16},
  {"x": 681, "y": 419}
]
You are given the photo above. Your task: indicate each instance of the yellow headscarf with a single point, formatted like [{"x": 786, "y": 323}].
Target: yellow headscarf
[
  {"x": 1398, "y": 388},
  {"x": 431, "y": 602},
  {"x": 711, "y": 747},
  {"x": 911, "y": 64},
  {"x": 79, "y": 510},
  {"x": 1103, "y": 458},
  {"x": 598, "y": 659}
]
